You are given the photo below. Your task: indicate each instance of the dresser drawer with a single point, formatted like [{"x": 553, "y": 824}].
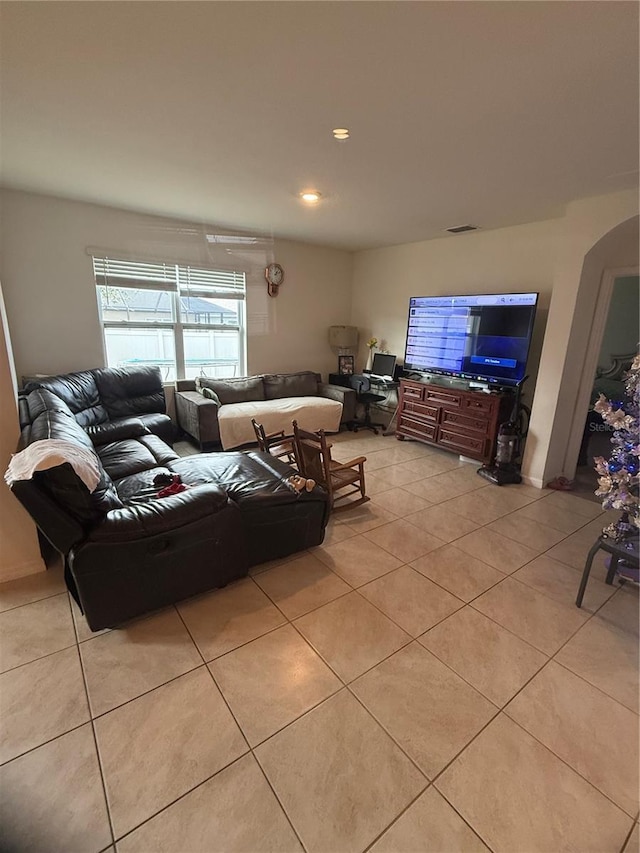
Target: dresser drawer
[
  {"x": 412, "y": 392},
  {"x": 462, "y": 422},
  {"x": 474, "y": 445},
  {"x": 479, "y": 403},
  {"x": 421, "y": 410},
  {"x": 415, "y": 428},
  {"x": 442, "y": 398}
]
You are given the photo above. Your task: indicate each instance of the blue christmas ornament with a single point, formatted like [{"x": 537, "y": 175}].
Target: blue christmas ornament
[
  {"x": 615, "y": 465},
  {"x": 633, "y": 467}
]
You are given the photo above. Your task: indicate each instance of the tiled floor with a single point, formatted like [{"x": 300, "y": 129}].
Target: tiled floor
[{"x": 420, "y": 682}]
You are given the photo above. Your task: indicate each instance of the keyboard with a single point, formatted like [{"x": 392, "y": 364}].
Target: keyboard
[{"x": 381, "y": 378}]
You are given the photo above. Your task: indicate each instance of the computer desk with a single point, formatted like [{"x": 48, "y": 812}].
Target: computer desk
[
  {"x": 390, "y": 387},
  {"x": 391, "y": 403}
]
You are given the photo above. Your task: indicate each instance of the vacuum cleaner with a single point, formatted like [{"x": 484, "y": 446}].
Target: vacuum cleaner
[{"x": 511, "y": 434}]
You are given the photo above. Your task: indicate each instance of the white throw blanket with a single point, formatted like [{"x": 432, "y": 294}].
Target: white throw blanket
[
  {"x": 312, "y": 414},
  {"x": 50, "y": 452}
]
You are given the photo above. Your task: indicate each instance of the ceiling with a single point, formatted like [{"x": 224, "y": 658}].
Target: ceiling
[{"x": 493, "y": 113}]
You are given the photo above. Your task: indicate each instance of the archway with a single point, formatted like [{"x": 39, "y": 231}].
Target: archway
[{"x": 616, "y": 253}]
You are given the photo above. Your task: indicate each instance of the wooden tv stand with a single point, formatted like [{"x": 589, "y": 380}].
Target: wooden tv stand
[{"x": 459, "y": 420}]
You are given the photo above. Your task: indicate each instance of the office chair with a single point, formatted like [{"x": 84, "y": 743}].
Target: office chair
[{"x": 362, "y": 386}]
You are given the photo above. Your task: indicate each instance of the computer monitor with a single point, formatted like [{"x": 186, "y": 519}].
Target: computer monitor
[{"x": 383, "y": 364}]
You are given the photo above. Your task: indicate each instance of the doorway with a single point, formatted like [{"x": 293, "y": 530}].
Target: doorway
[{"x": 619, "y": 344}]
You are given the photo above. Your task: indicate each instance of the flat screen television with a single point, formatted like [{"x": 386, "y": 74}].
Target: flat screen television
[{"x": 482, "y": 338}]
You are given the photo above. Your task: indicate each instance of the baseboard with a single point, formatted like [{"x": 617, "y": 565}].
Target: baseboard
[{"x": 536, "y": 482}]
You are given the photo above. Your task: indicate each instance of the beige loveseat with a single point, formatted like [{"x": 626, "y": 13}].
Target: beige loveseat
[{"x": 220, "y": 410}]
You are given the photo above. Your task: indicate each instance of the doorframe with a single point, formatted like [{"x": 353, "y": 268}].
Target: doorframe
[{"x": 596, "y": 334}]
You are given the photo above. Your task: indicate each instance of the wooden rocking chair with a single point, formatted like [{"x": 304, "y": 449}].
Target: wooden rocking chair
[
  {"x": 315, "y": 462},
  {"x": 276, "y": 443}
]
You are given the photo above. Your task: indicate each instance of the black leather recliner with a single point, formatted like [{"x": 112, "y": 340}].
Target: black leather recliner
[
  {"x": 127, "y": 550},
  {"x": 102, "y": 398}
]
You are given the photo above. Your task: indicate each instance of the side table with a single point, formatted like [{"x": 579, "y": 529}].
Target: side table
[{"x": 617, "y": 551}]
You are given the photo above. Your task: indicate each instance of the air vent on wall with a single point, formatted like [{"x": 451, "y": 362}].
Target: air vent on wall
[{"x": 460, "y": 229}]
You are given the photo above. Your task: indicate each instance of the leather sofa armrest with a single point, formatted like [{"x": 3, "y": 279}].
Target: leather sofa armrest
[
  {"x": 346, "y": 396},
  {"x": 111, "y": 431},
  {"x": 162, "y": 515}
]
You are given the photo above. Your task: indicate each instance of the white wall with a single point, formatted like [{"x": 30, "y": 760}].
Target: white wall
[
  {"x": 19, "y": 550},
  {"x": 545, "y": 256},
  {"x": 507, "y": 259},
  {"x": 50, "y": 294}
]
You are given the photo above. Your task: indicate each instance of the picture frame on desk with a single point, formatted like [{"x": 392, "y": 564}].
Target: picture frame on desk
[{"x": 346, "y": 365}]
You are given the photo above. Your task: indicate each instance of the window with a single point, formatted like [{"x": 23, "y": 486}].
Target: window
[{"x": 186, "y": 320}]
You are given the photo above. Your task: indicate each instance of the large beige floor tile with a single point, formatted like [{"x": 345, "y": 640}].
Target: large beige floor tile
[
  {"x": 458, "y": 572},
  {"x": 358, "y": 560},
  {"x": 621, "y": 611},
  {"x": 633, "y": 843},
  {"x": 429, "y": 825},
  {"x": 271, "y": 681},
  {"x": 393, "y": 455},
  {"x": 511, "y": 498},
  {"x": 431, "y": 465},
  {"x": 235, "y": 812},
  {"x": 412, "y": 601},
  {"x": 301, "y": 585},
  {"x": 31, "y": 588},
  {"x": 34, "y": 630},
  {"x": 495, "y": 550},
  {"x": 607, "y": 657},
  {"x": 394, "y": 476},
  {"x": 125, "y": 663},
  {"x": 450, "y": 484},
  {"x": 476, "y": 507},
  {"x": 351, "y": 635},
  {"x": 339, "y": 777},
  {"x": 518, "y": 796},
  {"x": 39, "y": 701},
  {"x": 404, "y": 540},
  {"x": 336, "y": 532},
  {"x": 594, "y": 734},
  {"x": 574, "y": 504},
  {"x": 561, "y": 582},
  {"x": 574, "y": 549},
  {"x": 162, "y": 744},
  {"x": 376, "y": 483},
  {"x": 427, "y": 708},
  {"x": 538, "y": 537},
  {"x": 366, "y": 517},
  {"x": 443, "y": 523},
  {"x": 533, "y": 617},
  {"x": 400, "y": 502},
  {"x": 493, "y": 660},
  {"x": 52, "y": 799},
  {"x": 554, "y": 516},
  {"x": 226, "y": 618}
]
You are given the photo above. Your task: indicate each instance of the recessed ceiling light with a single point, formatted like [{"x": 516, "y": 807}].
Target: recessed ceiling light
[
  {"x": 341, "y": 132},
  {"x": 310, "y": 196}
]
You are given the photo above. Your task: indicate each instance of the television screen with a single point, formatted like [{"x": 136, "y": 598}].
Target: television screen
[{"x": 484, "y": 337}]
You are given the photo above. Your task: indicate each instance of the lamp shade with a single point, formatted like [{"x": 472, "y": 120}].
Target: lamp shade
[{"x": 343, "y": 337}]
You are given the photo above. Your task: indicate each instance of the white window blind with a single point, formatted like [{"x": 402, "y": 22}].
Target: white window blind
[
  {"x": 188, "y": 320},
  {"x": 111, "y": 272}
]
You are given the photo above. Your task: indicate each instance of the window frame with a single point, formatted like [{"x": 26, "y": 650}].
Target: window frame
[{"x": 177, "y": 290}]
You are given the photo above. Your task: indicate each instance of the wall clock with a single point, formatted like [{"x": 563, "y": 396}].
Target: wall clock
[{"x": 274, "y": 275}]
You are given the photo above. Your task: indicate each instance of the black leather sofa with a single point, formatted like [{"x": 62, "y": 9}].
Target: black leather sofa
[
  {"x": 105, "y": 399},
  {"x": 128, "y": 551}
]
